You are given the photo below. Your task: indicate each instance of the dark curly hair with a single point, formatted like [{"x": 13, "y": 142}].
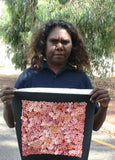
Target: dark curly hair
[{"x": 79, "y": 55}]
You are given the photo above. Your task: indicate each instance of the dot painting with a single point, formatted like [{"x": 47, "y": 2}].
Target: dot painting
[{"x": 53, "y": 128}]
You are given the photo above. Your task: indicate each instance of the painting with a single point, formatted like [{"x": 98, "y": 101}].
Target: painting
[{"x": 53, "y": 123}]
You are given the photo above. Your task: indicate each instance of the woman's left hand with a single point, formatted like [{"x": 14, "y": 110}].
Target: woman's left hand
[{"x": 100, "y": 95}]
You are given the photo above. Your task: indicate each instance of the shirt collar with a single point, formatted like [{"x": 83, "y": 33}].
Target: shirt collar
[{"x": 67, "y": 67}]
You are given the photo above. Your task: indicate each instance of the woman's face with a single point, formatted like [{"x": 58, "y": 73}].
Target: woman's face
[{"x": 58, "y": 47}]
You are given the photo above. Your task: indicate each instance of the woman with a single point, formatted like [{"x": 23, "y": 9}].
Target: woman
[{"x": 59, "y": 55}]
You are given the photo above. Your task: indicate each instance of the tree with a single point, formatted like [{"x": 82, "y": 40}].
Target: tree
[
  {"x": 95, "y": 20},
  {"x": 15, "y": 31}
]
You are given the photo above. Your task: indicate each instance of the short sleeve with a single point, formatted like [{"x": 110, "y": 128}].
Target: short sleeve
[
  {"x": 20, "y": 81},
  {"x": 24, "y": 80}
]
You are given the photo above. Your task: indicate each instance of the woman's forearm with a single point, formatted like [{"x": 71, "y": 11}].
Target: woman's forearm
[
  {"x": 8, "y": 116},
  {"x": 99, "y": 118}
]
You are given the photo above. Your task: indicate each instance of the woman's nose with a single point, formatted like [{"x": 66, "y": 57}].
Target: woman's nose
[{"x": 59, "y": 46}]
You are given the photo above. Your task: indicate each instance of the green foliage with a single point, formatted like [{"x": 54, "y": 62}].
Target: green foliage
[
  {"x": 95, "y": 19},
  {"x": 15, "y": 31}
]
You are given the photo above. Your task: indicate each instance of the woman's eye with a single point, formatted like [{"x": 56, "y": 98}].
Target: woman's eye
[
  {"x": 55, "y": 41},
  {"x": 65, "y": 41}
]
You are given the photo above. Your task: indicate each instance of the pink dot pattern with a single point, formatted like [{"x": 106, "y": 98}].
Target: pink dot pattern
[{"x": 53, "y": 128}]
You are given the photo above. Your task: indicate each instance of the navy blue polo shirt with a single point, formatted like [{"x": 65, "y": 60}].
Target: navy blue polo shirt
[{"x": 68, "y": 77}]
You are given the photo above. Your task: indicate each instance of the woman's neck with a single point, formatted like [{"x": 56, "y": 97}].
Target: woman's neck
[{"x": 56, "y": 68}]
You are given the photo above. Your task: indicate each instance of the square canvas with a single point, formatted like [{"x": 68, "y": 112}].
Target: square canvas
[{"x": 53, "y": 123}]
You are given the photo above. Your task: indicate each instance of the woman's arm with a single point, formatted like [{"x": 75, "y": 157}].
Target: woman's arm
[
  {"x": 8, "y": 116},
  {"x": 6, "y": 96},
  {"x": 101, "y": 96}
]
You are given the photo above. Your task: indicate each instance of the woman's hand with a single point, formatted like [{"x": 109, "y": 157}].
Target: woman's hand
[
  {"x": 7, "y": 95},
  {"x": 100, "y": 95}
]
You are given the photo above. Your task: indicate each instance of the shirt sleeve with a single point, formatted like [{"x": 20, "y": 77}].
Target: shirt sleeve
[
  {"x": 20, "y": 83},
  {"x": 24, "y": 80}
]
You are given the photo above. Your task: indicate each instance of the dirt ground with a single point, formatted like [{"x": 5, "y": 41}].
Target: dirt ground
[{"x": 109, "y": 84}]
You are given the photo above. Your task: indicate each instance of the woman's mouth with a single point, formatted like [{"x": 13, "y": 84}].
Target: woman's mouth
[{"x": 59, "y": 55}]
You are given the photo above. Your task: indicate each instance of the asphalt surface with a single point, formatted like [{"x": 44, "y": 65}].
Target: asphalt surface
[
  {"x": 102, "y": 144},
  {"x": 103, "y": 148}
]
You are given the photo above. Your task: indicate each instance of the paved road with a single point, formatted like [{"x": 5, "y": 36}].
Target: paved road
[
  {"x": 98, "y": 150},
  {"x": 102, "y": 146}
]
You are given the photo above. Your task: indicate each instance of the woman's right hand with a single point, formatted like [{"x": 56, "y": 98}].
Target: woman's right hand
[{"x": 7, "y": 95}]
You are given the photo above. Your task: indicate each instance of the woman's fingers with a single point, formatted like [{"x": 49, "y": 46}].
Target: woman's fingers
[
  {"x": 100, "y": 95},
  {"x": 7, "y": 95}
]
